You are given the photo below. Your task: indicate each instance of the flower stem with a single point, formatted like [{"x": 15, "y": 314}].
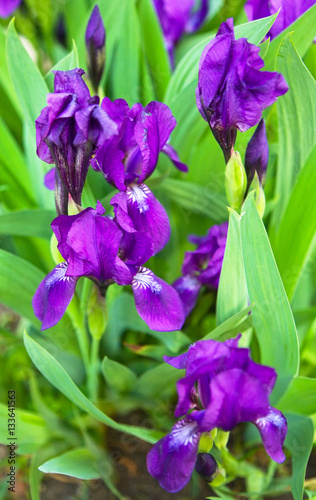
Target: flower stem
[
  {"x": 82, "y": 337},
  {"x": 93, "y": 374}
]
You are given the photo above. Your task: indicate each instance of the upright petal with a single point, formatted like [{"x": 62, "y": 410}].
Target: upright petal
[
  {"x": 138, "y": 209},
  {"x": 53, "y": 296},
  {"x": 152, "y": 131},
  {"x": 157, "y": 303},
  {"x": 71, "y": 82},
  {"x": 171, "y": 461},
  {"x": 109, "y": 161},
  {"x": 273, "y": 430}
]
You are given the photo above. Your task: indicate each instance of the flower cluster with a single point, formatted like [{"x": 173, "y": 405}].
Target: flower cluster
[
  {"x": 231, "y": 389},
  {"x": 124, "y": 144},
  {"x": 232, "y": 92},
  {"x": 202, "y": 266}
]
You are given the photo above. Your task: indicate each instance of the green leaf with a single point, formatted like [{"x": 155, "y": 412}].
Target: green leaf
[
  {"x": 31, "y": 431},
  {"x": 228, "y": 328},
  {"x": 125, "y": 69},
  {"x": 58, "y": 377},
  {"x": 27, "y": 80},
  {"x": 153, "y": 43},
  {"x": 14, "y": 170},
  {"x": 300, "y": 397},
  {"x": 18, "y": 282},
  {"x": 70, "y": 61},
  {"x": 294, "y": 240},
  {"x": 158, "y": 381},
  {"x": 27, "y": 223},
  {"x": 196, "y": 198},
  {"x": 31, "y": 90},
  {"x": 80, "y": 463},
  {"x": 118, "y": 376},
  {"x": 272, "y": 316},
  {"x": 232, "y": 291},
  {"x": 299, "y": 441},
  {"x": 298, "y": 102}
]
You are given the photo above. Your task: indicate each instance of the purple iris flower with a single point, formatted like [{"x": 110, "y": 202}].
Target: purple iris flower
[
  {"x": 130, "y": 157},
  {"x": 202, "y": 266},
  {"x": 232, "y": 92},
  {"x": 95, "y": 45},
  {"x": 290, "y": 11},
  {"x": 7, "y": 7},
  {"x": 178, "y": 17},
  {"x": 257, "y": 154},
  {"x": 68, "y": 131},
  {"x": 231, "y": 389},
  {"x": 94, "y": 246}
]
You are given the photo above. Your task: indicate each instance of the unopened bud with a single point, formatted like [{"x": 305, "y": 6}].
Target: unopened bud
[
  {"x": 206, "y": 466},
  {"x": 257, "y": 154},
  {"x": 95, "y": 45},
  {"x": 259, "y": 197},
  {"x": 235, "y": 181},
  {"x": 97, "y": 313}
]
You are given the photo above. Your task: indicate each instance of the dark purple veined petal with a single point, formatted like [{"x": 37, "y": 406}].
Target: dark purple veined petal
[
  {"x": 152, "y": 130},
  {"x": 171, "y": 461},
  {"x": 235, "y": 397},
  {"x": 53, "y": 296},
  {"x": 188, "y": 288},
  {"x": 49, "y": 179},
  {"x": 138, "y": 209},
  {"x": 171, "y": 152},
  {"x": 109, "y": 161},
  {"x": 273, "y": 430},
  {"x": 136, "y": 248},
  {"x": 157, "y": 303}
]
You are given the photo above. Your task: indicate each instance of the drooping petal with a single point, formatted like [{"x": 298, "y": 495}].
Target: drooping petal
[
  {"x": 273, "y": 430},
  {"x": 171, "y": 152},
  {"x": 138, "y": 209},
  {"x": 171, "y": 461},
  {"x": 53, "y": 296},
  {"x": 157, "y": 303},
  {"x": 188, "y": 288}
]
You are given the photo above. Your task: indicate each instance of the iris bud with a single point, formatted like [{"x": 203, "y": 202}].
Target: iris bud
[
  {"x": 235, "y": 181},
  {"x": 95, "y": 45},
  {"x": 97, "y": 313},
  {"x": 206, "y": 466}
]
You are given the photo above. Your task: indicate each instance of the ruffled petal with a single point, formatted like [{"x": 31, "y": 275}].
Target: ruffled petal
[
  {"x": 171, "y": 461},
  {"x": 157, "y": 303},
  {"x": 273, "y": 430},
  {"x": 71, "y": 82},
  {"x": 53, "y": 296}
]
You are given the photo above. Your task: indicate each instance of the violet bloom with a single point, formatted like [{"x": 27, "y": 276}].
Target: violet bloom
[
  {"x": 178, "y": 17},
  {"x": 67, "y": 132},
  {"x": 232, "y": 389},
  {"x": 290, "y": 11},
  {"x": 95, "y": 45},
  {"x": 257, "y": 154},
  {"x": 202, "y": 266},
  {"x": 94, "y": 246},
  {"x": 129, "y": 158},
  {"x": 232, "y": 92},
  {"x": 7, "y": 7}
]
